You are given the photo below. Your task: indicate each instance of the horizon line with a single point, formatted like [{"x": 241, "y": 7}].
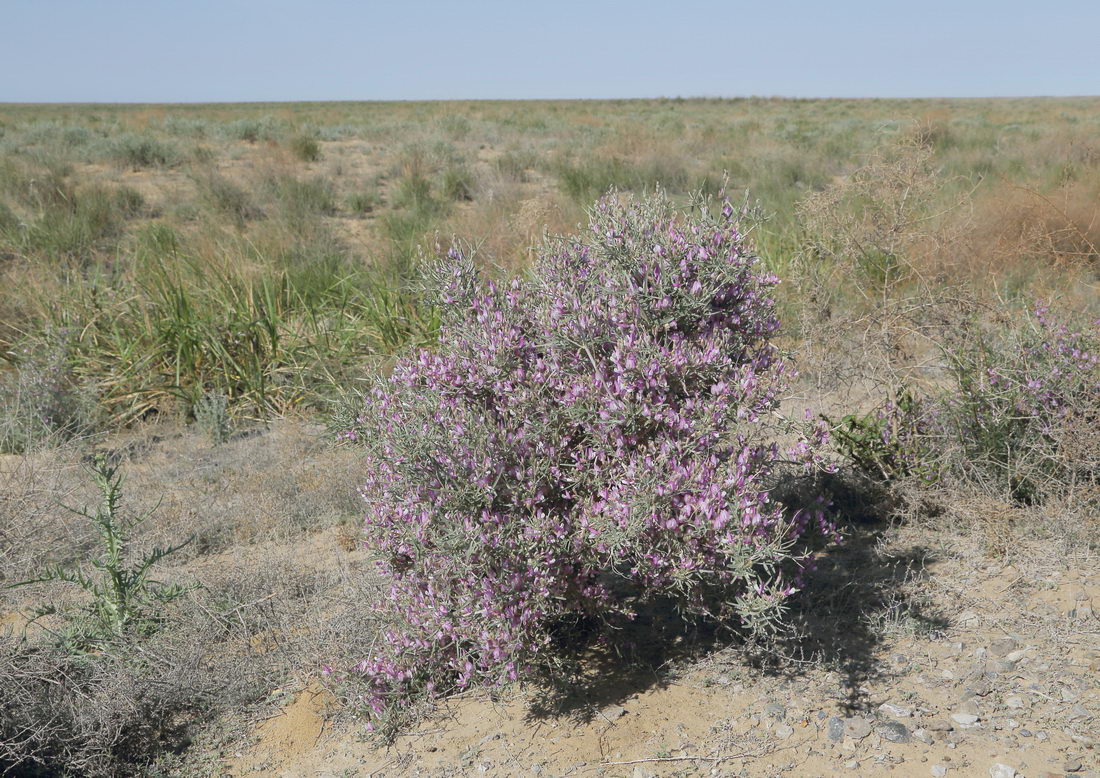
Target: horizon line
[{"x": 678, "y": 98}]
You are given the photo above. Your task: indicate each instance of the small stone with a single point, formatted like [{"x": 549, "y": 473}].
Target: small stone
[
  {"x": 1017, "y": 655},
  {"x": 776, "y": 710},
  {"x": 939, "y": 771},
  {"x": 1072, "y": 766},
  {"x": 955, "y": 649},
  {"x": 783, "y": 731},
  {"x": 966, "y": 719},
  {"x": 894, "y": 731},
  {"x": 643, "y": 772},
  {"x": 1002, "y": 771},
  {"x": 970, "y": 707},
  {"x": 977, "y": 688},
  {"x": 1003, "y": 646},
  {"x": 835, "y": 729},
  {"x": 1025, "y": 733},
  {"x": 852, "y": 765},
  {"x": 1079, "y": 713},
  {"x": 897, "y": 711},
  {"x": 924, "y": 736},
  {"x": 615, "y": 712},
  {"x": 1015, "y": 701},
  {"x": 938, "y": 725},
  {"x": 857, "y": 728},
  {"x": 1042, "y": 736}
]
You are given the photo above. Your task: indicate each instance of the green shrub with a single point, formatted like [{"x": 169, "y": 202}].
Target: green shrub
[
  {"x": 458, "y": 184},
  {"x": 586, "y": 180},
  {"x": 364, "y": 201},
  {"x": 221, "y": 195},
  {"x": 302, "y": 198},
  {"x": 305, "y": 148},
  {"x": 141, "y": 151}
]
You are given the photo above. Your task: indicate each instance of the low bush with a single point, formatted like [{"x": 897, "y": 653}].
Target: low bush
[
  {"x": 140, "y": 151},
  {"x": 43, "y": 400},
  {"x": 599, "y": 435},
  {"x": 305, "y": 147},
  {"x": 1018, "y": 419}
]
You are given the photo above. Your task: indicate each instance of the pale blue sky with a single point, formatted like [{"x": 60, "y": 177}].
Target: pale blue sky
[{"x": 233, "y": 50}]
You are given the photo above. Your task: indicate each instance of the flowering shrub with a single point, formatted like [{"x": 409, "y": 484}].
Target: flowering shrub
[
  {"x": 1022, "y": 408},
  {"x": 605, "y": 426},
  {"x": 1020, "y": 417}
]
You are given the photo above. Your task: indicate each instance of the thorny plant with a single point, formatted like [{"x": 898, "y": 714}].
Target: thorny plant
[
  {"x": 599, "y": 434},
  {"x": 125, "y": 601}
]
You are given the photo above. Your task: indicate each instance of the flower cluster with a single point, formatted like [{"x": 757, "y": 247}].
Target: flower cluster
[{"x": 607, "y": 424}]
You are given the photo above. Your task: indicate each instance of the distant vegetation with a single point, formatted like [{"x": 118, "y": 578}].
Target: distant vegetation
[{"x": 261, "y": 251}]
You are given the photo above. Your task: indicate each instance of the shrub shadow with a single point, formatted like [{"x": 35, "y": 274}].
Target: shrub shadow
[{"x": 859, "y": 595}]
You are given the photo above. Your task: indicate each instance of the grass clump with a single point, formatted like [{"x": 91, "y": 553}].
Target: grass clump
[
  {"x": 137, "y": 152},
  {"x": 224, "y": 197},
  {"x": 365, "y": 201},
  {"x": 305, "y": 148},
  {"x": 459, "y": 184}
]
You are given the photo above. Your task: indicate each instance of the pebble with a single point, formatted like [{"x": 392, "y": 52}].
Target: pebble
[
  {"x": 966, "y": 719},
  {"x": 923, "y": 736},
  {"x": 939, "y": 771},
  {"x": 857, "y": 728},
  {"x": 970, "y": 707},
  {"x": 783, "y": 731},
  {"x": 776, "y": 710},
  {"x": 897, "y": 711},
  {"x": 1041, "y": 735},
  {"x": 938, "y": 725},
  {"x": 1002, "y": 771},
  {"x": 835, "y": 728},
  {"x": 643, "y": 772},
  {"x": 1025, "y": 733},
  {"x": 1079, "y": 713},
  {"x": 1003, "y": 647},
  {"x": 852, "y": 765},
  {"x": 894, "y": 731},
  {"x": 1072, "y": 766},
  {"x": 1015, "y": 701}
]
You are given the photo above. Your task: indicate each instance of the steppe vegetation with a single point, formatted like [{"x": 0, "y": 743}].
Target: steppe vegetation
[{"x": 883, "y": 317}]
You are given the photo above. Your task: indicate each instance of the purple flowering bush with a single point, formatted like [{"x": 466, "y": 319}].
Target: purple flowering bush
[
  {"x": 1019, "y": 417},
  {"x": 1025, "y": 410},
  {"x": 600, "y": 433}
]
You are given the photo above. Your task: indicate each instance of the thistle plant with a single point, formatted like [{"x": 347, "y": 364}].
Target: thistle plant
[
  {"x": 125, "y": 601},
  {"x": 598, "y": 434}
]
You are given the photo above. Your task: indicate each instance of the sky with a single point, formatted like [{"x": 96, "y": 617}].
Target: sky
[{"x": 276, "y": 50}]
